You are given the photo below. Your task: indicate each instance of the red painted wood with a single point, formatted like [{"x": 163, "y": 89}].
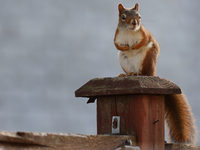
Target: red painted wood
[
  {"x": 138, "y": 116},
  {"x": 138, "y": 100}
]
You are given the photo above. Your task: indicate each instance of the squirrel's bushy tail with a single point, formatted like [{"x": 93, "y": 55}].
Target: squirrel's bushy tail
[{"x": 179, "y": 119}]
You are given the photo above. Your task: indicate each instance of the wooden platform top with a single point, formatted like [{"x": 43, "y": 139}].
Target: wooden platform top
[
  {"x": 61, "y": 141},
  {"x": 127, "y": 85}
]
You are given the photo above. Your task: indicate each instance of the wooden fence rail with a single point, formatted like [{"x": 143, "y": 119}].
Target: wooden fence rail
[{"x": 130, "y": 107}]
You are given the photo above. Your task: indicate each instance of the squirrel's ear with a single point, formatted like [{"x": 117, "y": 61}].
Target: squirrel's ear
[
  {"x": 136, "y": 6},
  {"x": 120, "y": 7}
]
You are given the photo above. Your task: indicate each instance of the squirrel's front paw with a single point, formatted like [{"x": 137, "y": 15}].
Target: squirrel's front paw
[
  {"x": 134, "y": 46},
  {"x": 124, "y": 47}
]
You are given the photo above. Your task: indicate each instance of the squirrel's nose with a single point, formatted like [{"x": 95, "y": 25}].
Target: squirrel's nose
[{"x": 133, "y": 22}]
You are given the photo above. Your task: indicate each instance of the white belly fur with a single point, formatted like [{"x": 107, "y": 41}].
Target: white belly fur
[
  {"x": 127, "y": 37},
  {"x": 131, "y": 61}
]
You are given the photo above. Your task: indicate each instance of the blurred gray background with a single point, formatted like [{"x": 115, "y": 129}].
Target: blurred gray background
[{"x": 49, "y": 48}]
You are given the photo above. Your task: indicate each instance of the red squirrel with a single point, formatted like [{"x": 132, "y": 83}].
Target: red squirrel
[{"x": 138, "y": 52}]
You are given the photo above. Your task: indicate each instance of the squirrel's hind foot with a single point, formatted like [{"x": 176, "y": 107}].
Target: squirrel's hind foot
[
  {"x": 122, "y": 75},
  {"x": 129, "y": 74},
  {"x": 133, "y": 74}
]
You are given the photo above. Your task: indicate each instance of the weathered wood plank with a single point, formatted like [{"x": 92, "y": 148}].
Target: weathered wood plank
[
  {"x": 178, "y": 146},
  {"x": 55, "y": 141},
  {"x": 140, "y": 115},
  {"x": 127, "y": 85}
]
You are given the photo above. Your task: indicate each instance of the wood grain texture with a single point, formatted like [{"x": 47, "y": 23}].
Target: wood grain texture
[
  {"x": 140, "y": 115},
  {"x": 56, "y": 141},
  {"x": 127, "y": 85},
  {"x": 179, "y": 146}
]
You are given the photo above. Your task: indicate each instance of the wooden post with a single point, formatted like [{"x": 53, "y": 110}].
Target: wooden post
[{"x": 138, "y": 100}]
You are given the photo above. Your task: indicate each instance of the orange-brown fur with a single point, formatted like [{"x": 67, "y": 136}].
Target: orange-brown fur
[
  {"x": 178, "y": 115},
  {"x": 149, "y": 63},
  {"x": 179, "y": 119},
  {"x": 146, "y": 38}
]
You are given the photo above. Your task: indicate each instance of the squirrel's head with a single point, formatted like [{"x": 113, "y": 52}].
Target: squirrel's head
[{"x": 129, "y": 18}]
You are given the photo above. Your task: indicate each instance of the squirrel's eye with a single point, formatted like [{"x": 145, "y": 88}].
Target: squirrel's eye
[
  {"x": 123, "y": 17},
  {"x": 139, "y": 17}
]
